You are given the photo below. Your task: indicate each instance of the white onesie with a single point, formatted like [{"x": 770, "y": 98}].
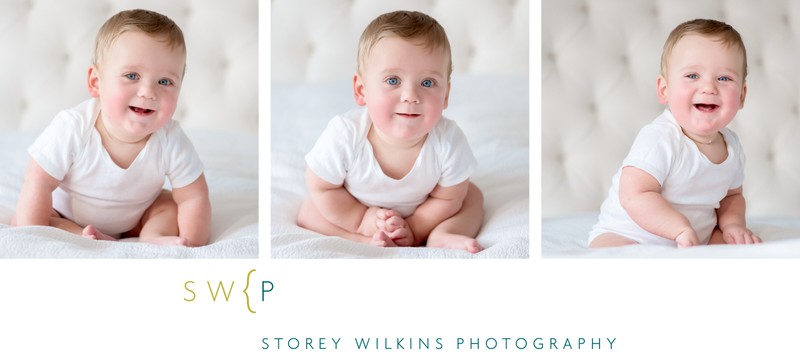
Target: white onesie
[
  {"x": 93, "y": 189},
  {"x": 690, "y": 182},
  {"x": 342, "y": 154}
]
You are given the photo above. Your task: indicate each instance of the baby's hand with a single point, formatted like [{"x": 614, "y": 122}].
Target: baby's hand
[
  {"x": 392, "y": 223},
  {"x": 736, "y": 234},
  {"x": 389, "y": 220},
  {"x": 687, "y": 238}
]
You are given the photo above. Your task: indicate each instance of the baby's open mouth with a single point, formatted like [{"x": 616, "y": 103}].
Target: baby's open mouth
[
  {"x": 138, "y": 110},
  {"x": 706, "y": 107}
]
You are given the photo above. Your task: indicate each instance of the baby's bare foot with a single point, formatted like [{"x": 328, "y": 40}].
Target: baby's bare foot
[
  {"x": 92, "y": 233},
  {"x": 380, "y": 239},
  {"x": 455, "y": 241},
  {"x": 472, "y": 246}
]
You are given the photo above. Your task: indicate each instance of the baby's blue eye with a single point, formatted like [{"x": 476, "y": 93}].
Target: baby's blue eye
[
  {"x": 427, "y": 83},
  {"x": 692, "y": 76},
  {"x": 164, "y": 82},
  {"x": 392, "y": 81},
  {"x": 725, "y": 79},
  {"x": 132, "y": 76}
]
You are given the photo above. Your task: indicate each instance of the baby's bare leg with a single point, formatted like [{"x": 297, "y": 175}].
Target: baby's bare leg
[
  {"x": 716, "y": 237},
  {"x": 88, "y": 232},
  {"x": 459, "y": 231},
  {"x": 159, "y": 223},
  {"x": 310, "y": 218},
  {"x": 62, "y": 223},
  {"x": 607, "y": 240}
]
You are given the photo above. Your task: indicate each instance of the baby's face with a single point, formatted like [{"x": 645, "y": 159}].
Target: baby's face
[
  {"x": 705, "y": 85},
  {"x": 138, "y": 85},
  {"x": 405, "y": 88}
]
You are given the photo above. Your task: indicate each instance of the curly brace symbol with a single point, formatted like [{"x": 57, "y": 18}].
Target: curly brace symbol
[{"x": 245, "y": 291}]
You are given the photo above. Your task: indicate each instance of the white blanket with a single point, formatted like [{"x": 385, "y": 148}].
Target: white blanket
[
  {"x": 567, "y": 236},
  {"x": 492, "y": 111},
  {"x": 231, "y": 161}
]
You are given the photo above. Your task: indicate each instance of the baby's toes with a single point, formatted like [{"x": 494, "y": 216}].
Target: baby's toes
[
  {"x": 380, "y": 239},
  {"x": 473, "y": 247}
]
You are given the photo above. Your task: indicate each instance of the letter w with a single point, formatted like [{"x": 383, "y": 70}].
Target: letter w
[{"x": 214, "y": 295}]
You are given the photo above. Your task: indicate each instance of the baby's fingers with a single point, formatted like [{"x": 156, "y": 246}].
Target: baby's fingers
[
  {"x": 745, "y": 237},
  {"x": 398, "y": 233},
  {"x": 388, "y": 213},
  {"x": 730, "y": 238},
  {"x": 394, "y": 222},
  {"x": 382, "y": 213},
  {"x": 750, "y": 238}
]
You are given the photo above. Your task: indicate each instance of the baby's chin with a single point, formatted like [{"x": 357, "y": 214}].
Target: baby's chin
[{"x": 399, "y": 135}]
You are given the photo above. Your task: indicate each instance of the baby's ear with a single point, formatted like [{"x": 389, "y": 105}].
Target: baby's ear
[
  {"x": 661, "y": 89},
  {"x": 93, "y": 81},
  {"x": 744, "y": 93},
  {"x": 358, "y": 90},
  {"x": 447, "y": 96}
]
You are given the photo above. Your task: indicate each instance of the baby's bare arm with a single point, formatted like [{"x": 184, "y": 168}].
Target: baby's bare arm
[
  {"x": 731, "y": 209},
  {"x": 36, "y": 199},
  {"x": 731, "y": 219},
  {"x": 640, "y": 196},
  {"x": 442, "y": 203},
  {"x": 339, "y": 207},
  {"x": 194, "y": 212}
]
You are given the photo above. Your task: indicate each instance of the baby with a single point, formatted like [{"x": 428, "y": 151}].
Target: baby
[
  {"x": 681, "y": 183},
  {"x": 396, "y": 173},
  {"x": 99, "y": 168}
]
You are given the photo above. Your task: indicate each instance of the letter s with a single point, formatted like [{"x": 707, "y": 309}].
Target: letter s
[{"x": 186, "y": 286}]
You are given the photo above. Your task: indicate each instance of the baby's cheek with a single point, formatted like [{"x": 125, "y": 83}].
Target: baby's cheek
[
  {"x": 115, "y": 102},
  {"x": 170, "y": 104}
]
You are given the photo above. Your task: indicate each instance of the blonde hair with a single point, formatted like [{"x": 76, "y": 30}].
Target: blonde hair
[
  {"x": 146, "y": 21},
  {"x": 408, "y": 25},
  {"x": 709, "y": 28}
]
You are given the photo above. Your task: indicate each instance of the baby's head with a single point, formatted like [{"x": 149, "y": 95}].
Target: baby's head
[
  {"x": 403, "y": 74},
  {"x": 155, "y": 25},
  {"x": 408, "y": 25},
  {"x": 712, "y": 29},
  {"x": 137, "y": 71},
  {"x": 703, "y": 71}
]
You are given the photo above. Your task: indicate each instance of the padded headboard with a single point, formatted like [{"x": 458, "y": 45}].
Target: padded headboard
[
  {"x": 600, "y": 61},
  {"x": 316, "y": 41},
  {"x": 46, "y": 49}
]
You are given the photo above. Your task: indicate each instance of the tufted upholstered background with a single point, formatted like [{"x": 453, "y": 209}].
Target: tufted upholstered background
[
  {"x": 600, "y": 60},
  {"x": 309, "y": 47},
  {"x": 46, "y": 48}
]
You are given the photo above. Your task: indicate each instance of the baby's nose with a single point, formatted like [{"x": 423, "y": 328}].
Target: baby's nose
[
  {"x": 710, "y": 86},
  {"x": 410, "y": 95},
  {"x": 147, "y": 91}
]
